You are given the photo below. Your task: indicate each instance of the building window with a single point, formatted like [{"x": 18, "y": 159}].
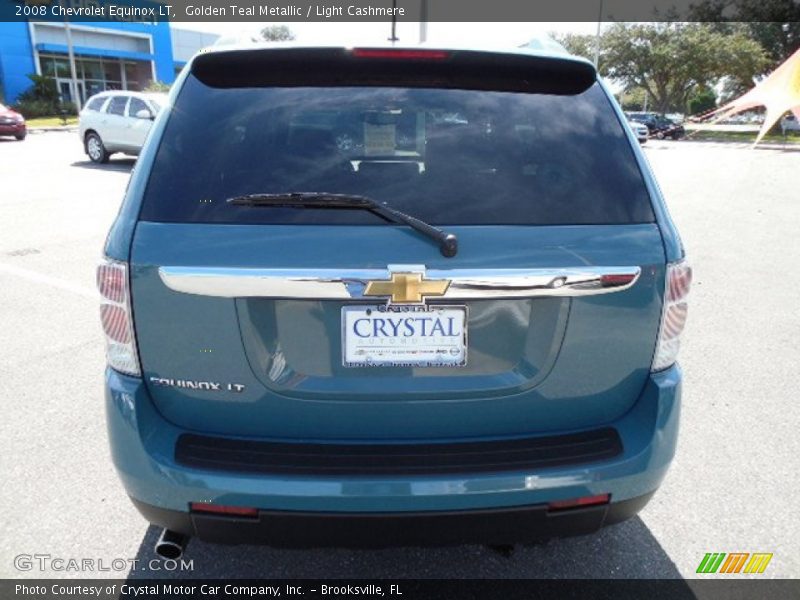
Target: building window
[
  {"x": 90, "y": 69},
  {"x": 138, "y": 75},
  {"x": 53, "y": 66},
  {"x": 95, "y": 74}
]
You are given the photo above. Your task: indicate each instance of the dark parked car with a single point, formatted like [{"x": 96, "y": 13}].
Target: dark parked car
[
  {"x": 659, "y": 126},
  {"x": 12, "y": 123}
]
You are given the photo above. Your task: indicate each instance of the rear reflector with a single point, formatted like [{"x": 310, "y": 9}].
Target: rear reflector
[
  {"x": 400, "y": 54},
  {"x": 673, "y": 320},
  {"x": 115, "y": 317},
  {"x": 616, "y": 280},
  {"x": 115, "y": 323},
  {"x": 579, "y": 502},
  {"x": 220, "y": 509}
]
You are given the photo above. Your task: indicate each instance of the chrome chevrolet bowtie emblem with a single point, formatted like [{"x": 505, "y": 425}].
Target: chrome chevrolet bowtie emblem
[{"x": 407, "y": 288}]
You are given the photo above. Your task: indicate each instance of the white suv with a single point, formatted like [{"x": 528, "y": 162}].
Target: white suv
[{"x": 117, "y": 121}]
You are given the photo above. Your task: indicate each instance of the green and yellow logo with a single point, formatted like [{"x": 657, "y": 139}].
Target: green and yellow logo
[{"x": 734, "y": 562}]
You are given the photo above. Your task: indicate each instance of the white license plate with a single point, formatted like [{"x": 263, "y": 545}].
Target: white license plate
[{"x": 404, "y": 336}]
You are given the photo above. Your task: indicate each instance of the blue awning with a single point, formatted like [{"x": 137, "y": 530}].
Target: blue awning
[{"x": 97, "y": 52}]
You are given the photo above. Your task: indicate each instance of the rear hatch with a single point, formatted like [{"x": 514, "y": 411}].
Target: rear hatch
[{"x": 302, "y": 323}]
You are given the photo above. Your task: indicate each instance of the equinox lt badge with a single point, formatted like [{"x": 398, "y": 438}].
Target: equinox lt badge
[{"x": 190, "y": 384}]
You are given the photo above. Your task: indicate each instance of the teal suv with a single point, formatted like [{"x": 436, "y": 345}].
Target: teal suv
[{"x": 388, "y": 296}]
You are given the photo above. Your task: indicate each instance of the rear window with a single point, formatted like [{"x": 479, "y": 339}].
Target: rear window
[{"x": 447, "y": 156}]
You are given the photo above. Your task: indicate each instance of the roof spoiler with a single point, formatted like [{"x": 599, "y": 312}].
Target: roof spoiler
[{"x": 394, "y": 67}]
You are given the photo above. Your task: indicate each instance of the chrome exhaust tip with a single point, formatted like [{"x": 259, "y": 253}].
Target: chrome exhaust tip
[{"x": 171, "y": 544}]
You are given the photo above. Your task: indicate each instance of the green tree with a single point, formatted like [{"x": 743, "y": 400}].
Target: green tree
[
  {"x": 42, "y": 89},
  {"x": 703, "y": 100},
  {"x": 277, "y": 33},
  {"x": 632, "y": 99},
  {"x": 42, "y": 99},
  {"x": 575, "y": 43},
  {"x": 774, "y": 24},
  {"x": 157, "y": 87},
  {"x": 670, "y": 61}
]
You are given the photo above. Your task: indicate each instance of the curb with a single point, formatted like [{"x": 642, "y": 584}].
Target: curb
[
  {"x": 53, "y": 128},
  {"x": 747, "y": 144}
]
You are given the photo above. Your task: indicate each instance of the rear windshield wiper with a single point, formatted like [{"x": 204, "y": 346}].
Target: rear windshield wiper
[{"x": 448, "y": 243}]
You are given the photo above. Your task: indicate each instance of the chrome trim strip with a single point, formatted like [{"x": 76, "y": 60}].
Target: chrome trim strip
[{"x": 349, "y": 284}]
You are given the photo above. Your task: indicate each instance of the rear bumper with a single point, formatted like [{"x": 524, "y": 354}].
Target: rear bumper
[
  {"x": 143, "y": 447},
  {"x": 499, "y": 526},
  {"x": 13, "y": 128}
]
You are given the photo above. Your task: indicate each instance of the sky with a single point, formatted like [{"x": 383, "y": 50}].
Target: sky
[{"x": 491, "y": 34}]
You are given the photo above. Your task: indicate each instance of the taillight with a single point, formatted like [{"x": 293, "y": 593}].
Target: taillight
[
  {"x": 579, "y": 502},
  {"x": 224, "y": 510},
  {"x": 673, "y": 319},
  {"x": 613, "y": 280},
  {"x": 400, "y": 54},
  {"x": 115, "y": 316}
]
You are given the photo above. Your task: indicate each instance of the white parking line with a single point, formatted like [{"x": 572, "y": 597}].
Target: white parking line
[{"x": 55, "y": 282}]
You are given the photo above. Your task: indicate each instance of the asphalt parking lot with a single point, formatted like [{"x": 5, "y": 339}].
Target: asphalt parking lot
[{"x": 732, "y": 488}]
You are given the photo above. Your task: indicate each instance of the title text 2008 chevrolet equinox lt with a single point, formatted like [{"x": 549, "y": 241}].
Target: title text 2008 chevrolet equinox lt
[{"x": 391, "y": 296}]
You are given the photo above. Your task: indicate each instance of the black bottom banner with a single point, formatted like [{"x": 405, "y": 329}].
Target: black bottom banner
[{"x": 401, "y": 589}]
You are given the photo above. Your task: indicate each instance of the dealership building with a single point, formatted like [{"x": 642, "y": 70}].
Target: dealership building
[{"x": 108, "y": 55}]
